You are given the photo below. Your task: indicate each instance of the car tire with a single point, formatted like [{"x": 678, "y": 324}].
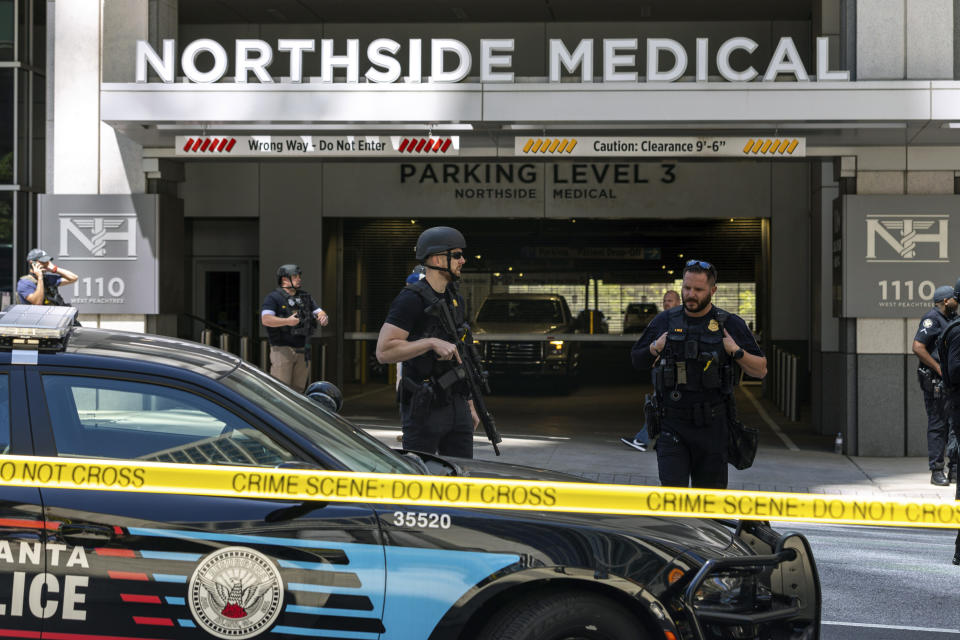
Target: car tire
[{"x": 563, "y": 616}]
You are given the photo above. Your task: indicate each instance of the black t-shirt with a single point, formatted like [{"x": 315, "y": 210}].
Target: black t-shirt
[
  {"x": 283, "y": 306},
  {"x": 931, "y": 326},
  {"x": 735, "y": 326}
]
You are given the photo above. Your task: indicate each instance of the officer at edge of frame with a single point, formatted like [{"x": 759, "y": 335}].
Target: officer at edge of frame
[
  {"x": 692, "y": 349},
  {"x": 437, "y": 415}
]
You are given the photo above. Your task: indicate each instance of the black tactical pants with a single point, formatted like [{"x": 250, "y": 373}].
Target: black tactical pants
[
  {"x": 447, "y": 429},
  {"x": 937, "y": 423},
  {"x": 692, "y": 456}
]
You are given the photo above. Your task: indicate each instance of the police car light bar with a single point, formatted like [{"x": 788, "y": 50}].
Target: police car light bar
[{"x": 27, "y": 326}]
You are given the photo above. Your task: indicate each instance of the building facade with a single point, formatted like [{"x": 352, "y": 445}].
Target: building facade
[{"x": 808, "y": 149}]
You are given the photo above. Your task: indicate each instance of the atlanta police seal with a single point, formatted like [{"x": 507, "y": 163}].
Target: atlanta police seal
[{"x": 235, "y": 592}]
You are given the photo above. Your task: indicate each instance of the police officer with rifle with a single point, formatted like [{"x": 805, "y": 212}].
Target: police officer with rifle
[
  {"x": 290, "y": 316},
  {"x": 692, "y": 349},
  {"x": 442, "y": 384}
]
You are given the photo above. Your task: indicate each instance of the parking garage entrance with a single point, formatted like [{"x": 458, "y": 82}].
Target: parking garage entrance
[{"x": 599, "y": 266}]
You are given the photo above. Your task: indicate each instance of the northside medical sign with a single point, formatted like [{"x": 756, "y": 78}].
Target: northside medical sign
[{"x": 451, "y": 60}]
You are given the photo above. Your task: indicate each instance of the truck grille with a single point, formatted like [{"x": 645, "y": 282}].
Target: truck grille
[{"x": 502, "y": 352}]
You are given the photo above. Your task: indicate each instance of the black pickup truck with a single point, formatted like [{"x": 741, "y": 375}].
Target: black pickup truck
[{"x": 533, "y": 328}]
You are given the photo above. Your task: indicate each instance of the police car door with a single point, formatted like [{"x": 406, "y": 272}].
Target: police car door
[
  {"x": 173, "y": 566},
  {"x": 22, "y": 558}
]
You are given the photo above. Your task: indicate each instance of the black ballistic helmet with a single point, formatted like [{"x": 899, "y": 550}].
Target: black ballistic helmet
[
  {"x": 437, "y": 240},
  {"x": 287, "y": 271},
  {"x": 956, "y": 291},
  {"x": 39, "y": 255},
  {"x": 325, "y": 394}
]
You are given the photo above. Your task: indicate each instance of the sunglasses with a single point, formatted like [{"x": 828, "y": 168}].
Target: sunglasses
[
  {"x": 455, "y": 255},
  {"x": 700, "y": 263}
]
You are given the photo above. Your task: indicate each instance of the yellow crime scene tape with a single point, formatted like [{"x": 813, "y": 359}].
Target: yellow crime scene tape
[{"x": 481, "y": 493}]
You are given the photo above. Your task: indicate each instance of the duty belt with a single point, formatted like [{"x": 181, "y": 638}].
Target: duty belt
[{"x": 705, "y": 411}]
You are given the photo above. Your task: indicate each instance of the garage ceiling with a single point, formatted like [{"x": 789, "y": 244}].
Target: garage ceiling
[{"x": 296, "y": 11}]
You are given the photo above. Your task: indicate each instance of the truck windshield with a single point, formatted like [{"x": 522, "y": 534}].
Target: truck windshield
[{"x": 520, "y": 311}]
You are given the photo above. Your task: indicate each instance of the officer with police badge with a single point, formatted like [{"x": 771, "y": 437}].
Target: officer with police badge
[
  {"x": 290, "y": 316},
  {"x": 692, "y": 349},
  {"x": 436, "y": 413},
  {"x": 928, "y": 372}
]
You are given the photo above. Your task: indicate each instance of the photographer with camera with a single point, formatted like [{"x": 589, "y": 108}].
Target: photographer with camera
[
  {"x": 290, "y": 315},
  {"x": 42, "y": 284}
]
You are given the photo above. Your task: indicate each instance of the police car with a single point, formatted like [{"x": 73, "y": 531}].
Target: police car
[{"x": 86, "y": 564}]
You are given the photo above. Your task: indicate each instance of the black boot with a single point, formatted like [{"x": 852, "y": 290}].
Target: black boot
[
  {"x": 956, "y": 556},
  {"x": 952, "y": 475},
  {"x": 938, "y": 478}
]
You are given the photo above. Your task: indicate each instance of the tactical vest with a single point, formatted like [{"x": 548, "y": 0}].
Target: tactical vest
[
  {"x": 694, "y": 366},
  {"x": 51, "y": 293},
  {"x": 427, "y": 365},
  {"x": 943, "y": 351}
]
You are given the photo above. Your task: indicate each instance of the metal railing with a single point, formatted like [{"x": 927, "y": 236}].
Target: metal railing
[{"x": 785, "y": 383}]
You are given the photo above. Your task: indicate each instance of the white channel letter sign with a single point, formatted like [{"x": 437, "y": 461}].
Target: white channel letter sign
[
  {"x": 908, "y": 238},
  {"x": 452, "y": 61},
  {"x": 104, "y": 236}
]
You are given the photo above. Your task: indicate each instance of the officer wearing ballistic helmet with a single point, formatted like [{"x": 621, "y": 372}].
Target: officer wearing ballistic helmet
[
  {"x": 42, "y": 284},
  {"x": 928, "y": 372},
  {"x": 290, "y": 315},
  {"x": 692, "y": 349},
  {"x": 435, "y": 411}
]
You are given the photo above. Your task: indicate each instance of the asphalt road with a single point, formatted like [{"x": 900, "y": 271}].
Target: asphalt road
[{"x": 884, "y": 583}]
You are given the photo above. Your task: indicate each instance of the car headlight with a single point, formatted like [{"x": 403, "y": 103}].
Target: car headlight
[
  {"x": 556, "y": 348},
  {"x": 736, "y": 590}
]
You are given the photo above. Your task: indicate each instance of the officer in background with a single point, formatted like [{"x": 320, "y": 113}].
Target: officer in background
[
  {"x": 928, "y": 372},
  {"x": 42, "y": 284},
  {"x": 436, "y": 413},
  {"x": 692, "y": 349},
  {"x": 948, "y": 352},
  {"x": 290, "y": 316}
]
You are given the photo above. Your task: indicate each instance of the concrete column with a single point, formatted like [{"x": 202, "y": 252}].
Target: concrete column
[
  {"x": 94, "y": 42},
  {"x": 76, "y": 100},
  {"x": 905, "y": 39},
  {"x": 824, "y": 327}
]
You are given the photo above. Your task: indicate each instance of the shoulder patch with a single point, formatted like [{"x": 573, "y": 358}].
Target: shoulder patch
[{"x": 927, "y": 323}]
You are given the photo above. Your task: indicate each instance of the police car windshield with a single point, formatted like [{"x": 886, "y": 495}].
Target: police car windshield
[
  {"x": 354, "y": 448},
  {"x": 520, "y": 311}
]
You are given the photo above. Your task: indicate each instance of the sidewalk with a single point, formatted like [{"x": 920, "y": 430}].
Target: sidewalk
[{"x": 790, "y": 457}]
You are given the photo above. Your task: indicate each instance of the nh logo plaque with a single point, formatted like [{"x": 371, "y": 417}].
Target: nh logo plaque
[{"x": 908, "y": 238}]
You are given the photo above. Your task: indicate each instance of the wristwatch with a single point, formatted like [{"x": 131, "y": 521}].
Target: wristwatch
[{"x": 737, "y": 354}]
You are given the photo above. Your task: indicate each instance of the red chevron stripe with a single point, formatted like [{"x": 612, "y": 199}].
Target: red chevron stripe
[
  {"x": 186, "y": 147},
  {"x": 223, "y": 143},
  {"x": 116, "y": 553},
  {"x": 196, "y": 145},
  {"x": 160, "y": 622},
  {"x": 446, "y": 145},
  {"x": 128, "y": 575},
  {"x": 403, "y": 145},
  {"x": 206, "y": 143},
  {"x": 420, "y": 144},
  {"x": 436, "y": 145},
  {"x": 233, "y": 141},
  {"x": 137, "y": 597},
  {"x": 213, "y": 145}
]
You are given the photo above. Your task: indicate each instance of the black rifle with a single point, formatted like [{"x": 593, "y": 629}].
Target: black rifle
[{"x": 475, "y": 378}]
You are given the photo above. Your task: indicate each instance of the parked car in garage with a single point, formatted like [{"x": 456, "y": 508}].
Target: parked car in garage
[
  {"x": 161, "y": 565},
  {"x": 638, "y": 315}
]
